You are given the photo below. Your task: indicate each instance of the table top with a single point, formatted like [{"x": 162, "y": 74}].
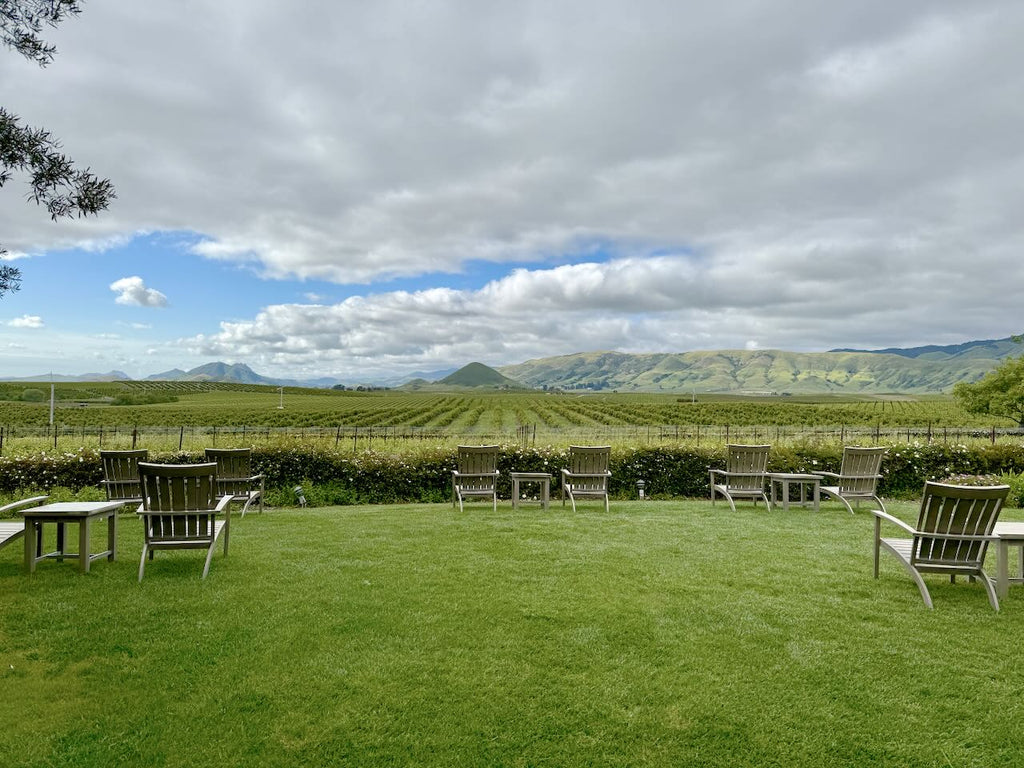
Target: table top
[
  {"x": 74, "y": 508},
  {"x": 1009, "y": 530},
  {"x": 793, "y": 476},
  {"x": 530, "y": 475}
]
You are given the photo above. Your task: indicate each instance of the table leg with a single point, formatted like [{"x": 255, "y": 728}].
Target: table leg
[
  {"x": 545, "y": 492},
  {"x": 785, "y": 496},
  {"x": 83, "y": 545},
  {"x": 112, "y": 536},
  {"x": 60, "y": 541},
  {"x": 31, "y": 545},
  {"x": 817, "y": 495},
  {"x": 515, "y": 492},
  {"x": 774, "y": 498},
  {"x": 1002, "y": 568}
]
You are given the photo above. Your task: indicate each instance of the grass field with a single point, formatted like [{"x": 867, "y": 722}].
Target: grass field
[{"x": 663, "y": 634}]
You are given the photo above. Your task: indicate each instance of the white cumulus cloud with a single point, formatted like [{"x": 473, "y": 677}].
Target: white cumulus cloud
[
  {"x": 132, "y": 291},
  {"x": 26, "y": 321}
]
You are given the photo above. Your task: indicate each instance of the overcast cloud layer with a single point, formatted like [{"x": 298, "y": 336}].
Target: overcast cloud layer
[{"x": 655, "y": 175}]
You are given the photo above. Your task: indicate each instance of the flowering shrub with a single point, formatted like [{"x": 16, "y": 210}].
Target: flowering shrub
[{"x": 334, "y": 476}]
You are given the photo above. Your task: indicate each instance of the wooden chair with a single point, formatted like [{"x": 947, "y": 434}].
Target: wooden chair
[
  {"x": 477, "y": 474},
  {"x": 954, "y": 528},
  {"x": 235, "y": 478},
  {"x": 587, "y": 475},
  {"x": 180, "y": 508},
  {"x": 857, "y": 478},
  {"x": 12, "y": 530},
  {"x": 744, "y": 476},
  {"x": 121, "y": 475}
]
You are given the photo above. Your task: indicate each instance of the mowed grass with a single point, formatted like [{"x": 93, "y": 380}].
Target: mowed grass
[{"x": 664, "y": 633}]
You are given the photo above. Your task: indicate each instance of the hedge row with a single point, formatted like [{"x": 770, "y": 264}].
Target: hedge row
[{"x": 335, "y": 477}]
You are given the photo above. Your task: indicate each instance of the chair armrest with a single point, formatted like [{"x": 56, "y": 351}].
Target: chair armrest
[
  {"x": 567, "y": 473},
  {"x": 456, "y": 473},
  {"x": 23, "y": 503},
  {"x": 824, "y": 474},
  {"x": 894, "y": 520},
  {"x": 222, "y": 504}
]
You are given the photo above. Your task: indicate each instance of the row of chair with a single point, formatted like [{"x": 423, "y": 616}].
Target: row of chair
[
  {"x": 746, "y": 476},
  {"x": 586, "y": 477},
  {"x": 183, "y": 506}
]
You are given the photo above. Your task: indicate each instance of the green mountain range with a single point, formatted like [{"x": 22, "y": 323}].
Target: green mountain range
[{"x": 918, "y": 370}]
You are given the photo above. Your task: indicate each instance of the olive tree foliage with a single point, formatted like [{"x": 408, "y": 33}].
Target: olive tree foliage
[
  {"x": 999, "y": 393},
  {"x": 54, "y": 181}
]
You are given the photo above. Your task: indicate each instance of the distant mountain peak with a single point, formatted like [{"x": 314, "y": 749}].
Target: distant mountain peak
[{"x": 479, "y": 375}]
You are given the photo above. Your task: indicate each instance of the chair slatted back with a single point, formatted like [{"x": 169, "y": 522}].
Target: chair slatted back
[
  {"x": 187, "y": 492},
  {"x": 480, "y": 460},
  {"x": 121, "y": 474},
  {"x": 860, "y": 469},
  {"x": 749, "y": 463},
  {"x": 233, "y": 470},
  {"x": 590, "y": 460},
  {"x": 958, "y": 513}
]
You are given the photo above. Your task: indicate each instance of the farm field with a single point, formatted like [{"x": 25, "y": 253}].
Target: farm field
[{"x": 177, "y": 414}]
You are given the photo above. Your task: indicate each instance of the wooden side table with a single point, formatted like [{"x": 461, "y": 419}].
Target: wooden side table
[
  {"x": 1011, "y": 534},
  {"x": 61, "y": 513},
  {"x": 543, "y": 480},
  {"x": 786, "y": 479}
]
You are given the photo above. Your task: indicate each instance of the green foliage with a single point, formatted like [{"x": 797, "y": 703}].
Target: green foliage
[
  {"x": 146, "y": 398},
  {"x": 33, "y": 395},
  {"x": 55, "y": 182},
  {"x": 999, "y": 393},
  {"x": 335, "y": 477}
]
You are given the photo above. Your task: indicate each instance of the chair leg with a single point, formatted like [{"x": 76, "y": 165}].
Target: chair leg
[
  {"x": 209, "y": 557},
  {"x": 919, "y": 581},
  {"x": 142, "y": 562},
  {"x": 990, "y": 589},
  {"x": 878, "y": 541}
]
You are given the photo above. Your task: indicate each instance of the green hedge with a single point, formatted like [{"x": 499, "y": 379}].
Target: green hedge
[{"x": 337, "y": 477}]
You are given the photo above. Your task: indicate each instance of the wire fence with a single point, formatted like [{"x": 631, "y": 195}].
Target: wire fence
[{"x": 19, "y": 439}]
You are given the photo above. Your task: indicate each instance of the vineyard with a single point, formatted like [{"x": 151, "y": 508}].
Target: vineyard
[{"x": 189, "y": 414}]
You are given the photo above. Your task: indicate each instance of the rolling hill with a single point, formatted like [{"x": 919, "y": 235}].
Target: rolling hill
[{"x": 757, "y": 371}]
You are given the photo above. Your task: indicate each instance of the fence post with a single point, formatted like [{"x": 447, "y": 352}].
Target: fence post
[
  {"x": 135, "y": 435},
  {"x": 993, "y": 435},
  {"x": 181, "y": 437}
]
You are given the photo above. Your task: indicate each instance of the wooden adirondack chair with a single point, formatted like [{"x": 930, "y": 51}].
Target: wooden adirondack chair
[
  {"x": 954, "y": 528},
  {"x": 235, "y": 478},
  {"x": 587, "y": 475},
  {"x": 121, "y": 475},
  {"x": 180, "y": 509},
  {"x": 857, "y": 478},
  {"x": 477, "y": 474},
  {"x": 12, "y": 530},
  {"x": 745, "y": 475}
]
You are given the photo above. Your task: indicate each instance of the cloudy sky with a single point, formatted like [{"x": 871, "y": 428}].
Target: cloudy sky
[{"x": 362, "y": 189}]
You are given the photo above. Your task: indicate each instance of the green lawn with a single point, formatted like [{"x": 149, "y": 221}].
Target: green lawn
[{"x": 664, "y": 633}]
